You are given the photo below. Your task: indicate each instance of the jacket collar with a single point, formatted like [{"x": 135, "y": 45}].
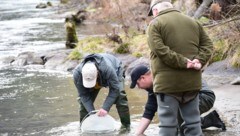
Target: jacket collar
[
  {"x": 167, "y": 11},
  {"x": 96, "y": 57}
]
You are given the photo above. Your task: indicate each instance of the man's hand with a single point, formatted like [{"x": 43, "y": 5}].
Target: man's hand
[
  {"x": 195, "y": 64},
  {"x": 189, "y": 63},
  {"x": 102, "y": 113},
  {"x": 143, "y": 125}
]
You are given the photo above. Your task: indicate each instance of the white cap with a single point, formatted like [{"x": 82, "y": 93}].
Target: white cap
[{"x": 89, "y": 75}]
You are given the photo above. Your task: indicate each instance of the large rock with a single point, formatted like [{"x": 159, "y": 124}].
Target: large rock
[
  {"x": 236, "y": 81},
  {"x": 57, "y": 60},
  {"x": 27, "y": 58},
  {"x": 220, "y": 73},
  {"x": 68, "y": 65},
  {"x": 41, "y": 6},
  {"x": 222, "y": 68},
  {"x": 137, "y": 62}
]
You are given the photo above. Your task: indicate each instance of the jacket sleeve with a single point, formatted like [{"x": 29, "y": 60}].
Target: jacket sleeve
[
  {"x": 168, "y": 56},
  {"x": 83, "y": 93},
  {"x": 150, "y": 107},
  {"x": 205, "y": 46},
  {"x": 113, "y": 83}
]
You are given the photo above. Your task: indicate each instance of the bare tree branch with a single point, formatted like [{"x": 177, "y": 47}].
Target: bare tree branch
[
  {"x": 205, "y": 4},
  {"x": 223, "y": 22}
]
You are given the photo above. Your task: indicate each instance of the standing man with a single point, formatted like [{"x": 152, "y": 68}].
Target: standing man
[
  {"x": 93, "y": 73},
  {"x": 179, "y": 48},
  {"x": 142, "y": 77}
]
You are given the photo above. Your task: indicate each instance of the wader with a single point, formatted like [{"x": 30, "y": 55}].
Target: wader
[{"x": 168, "y": 114}]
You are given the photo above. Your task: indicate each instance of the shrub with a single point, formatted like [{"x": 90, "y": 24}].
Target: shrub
[
  {"x": 123, "y": 48},
  {"x": 75, "y": 55}
]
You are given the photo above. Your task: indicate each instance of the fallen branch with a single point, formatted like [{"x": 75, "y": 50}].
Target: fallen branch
[{"x": 222, "y": 22}]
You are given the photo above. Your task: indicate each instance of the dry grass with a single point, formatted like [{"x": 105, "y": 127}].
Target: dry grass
[{"x": 226, "y": 42}]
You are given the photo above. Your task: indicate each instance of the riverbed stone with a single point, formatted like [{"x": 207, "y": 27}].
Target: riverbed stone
[
  {"x": 54, "y": 61},
  {"x": 19, "y": 62},
  {"x": 68, "y": 65},
  {"x": 236, "y": 81},
  {"x": 7, "y": 60},
  {"x": 137, "y": 62},
  {"x": 41, "y": 6},
  {"x": 21, "y": 59},
  {"x": 27, "y": 58}
]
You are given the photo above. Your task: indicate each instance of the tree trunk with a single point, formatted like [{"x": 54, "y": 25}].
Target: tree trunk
[{"x": 202, "y": 8}]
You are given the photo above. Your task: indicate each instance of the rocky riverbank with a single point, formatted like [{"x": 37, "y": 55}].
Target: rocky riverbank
[{"x": 218, "y": 73}]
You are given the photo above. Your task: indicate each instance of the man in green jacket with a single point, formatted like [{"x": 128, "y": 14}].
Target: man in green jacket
[
  {"x": 93, "y": 73},
  {"x": 179, "y": 48}
]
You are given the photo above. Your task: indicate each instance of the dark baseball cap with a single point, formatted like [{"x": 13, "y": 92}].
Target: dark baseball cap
[{"x": 136, "y": 73}]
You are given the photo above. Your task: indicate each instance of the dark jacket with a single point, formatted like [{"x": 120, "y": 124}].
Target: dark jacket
[
  {"x": 151, "y": 105},
  {"x": 109, "y": 75},
  {"x": 172, "y": 38}
]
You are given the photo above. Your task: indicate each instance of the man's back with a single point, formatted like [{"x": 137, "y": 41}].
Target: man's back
[{"x": 173, "y": 38}]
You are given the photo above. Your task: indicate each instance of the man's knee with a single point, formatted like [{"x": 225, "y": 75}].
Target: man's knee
[
  {"x": 206, "y": 102},
  {"x": 122, "y": 100},
  {"x": 168, "y": 121}
]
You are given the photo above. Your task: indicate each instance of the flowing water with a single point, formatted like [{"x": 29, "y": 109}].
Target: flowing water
[{"x": 44, "y": 103}]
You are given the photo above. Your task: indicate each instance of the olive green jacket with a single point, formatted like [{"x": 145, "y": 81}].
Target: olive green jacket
[{"x": 173, "y": 38}]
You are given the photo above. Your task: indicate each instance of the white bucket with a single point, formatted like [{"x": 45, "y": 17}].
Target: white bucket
[{"x": 96, "y": 124}]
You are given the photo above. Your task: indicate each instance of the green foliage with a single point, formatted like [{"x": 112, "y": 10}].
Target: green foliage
[
  {"x": 90, "y": 9},
  {"x": 123, "y": 48},
  {"x": 87, "y": 45},
  {"x": 235, "y": 60},
  {"x": 139, "y": 39},
  {"x": 137, "y": 54},
  {"x": 92, "y": 48},
  {"x": 226, "y": 42},
  {"x": 204, "y": 20},
  {"x": 93, "y": 40},
  {"x": 218, "y": 51},
  {"x": 64, "y": 1},
  {"x": 75, "y": 55},
  {"x": 92, "y": 44}
]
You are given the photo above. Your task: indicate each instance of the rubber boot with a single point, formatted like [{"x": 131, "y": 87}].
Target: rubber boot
[
  {"x": 123, "y": 111},
  {"x": 213, "y": 120},
  {"x": 125, "y": 121}
]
